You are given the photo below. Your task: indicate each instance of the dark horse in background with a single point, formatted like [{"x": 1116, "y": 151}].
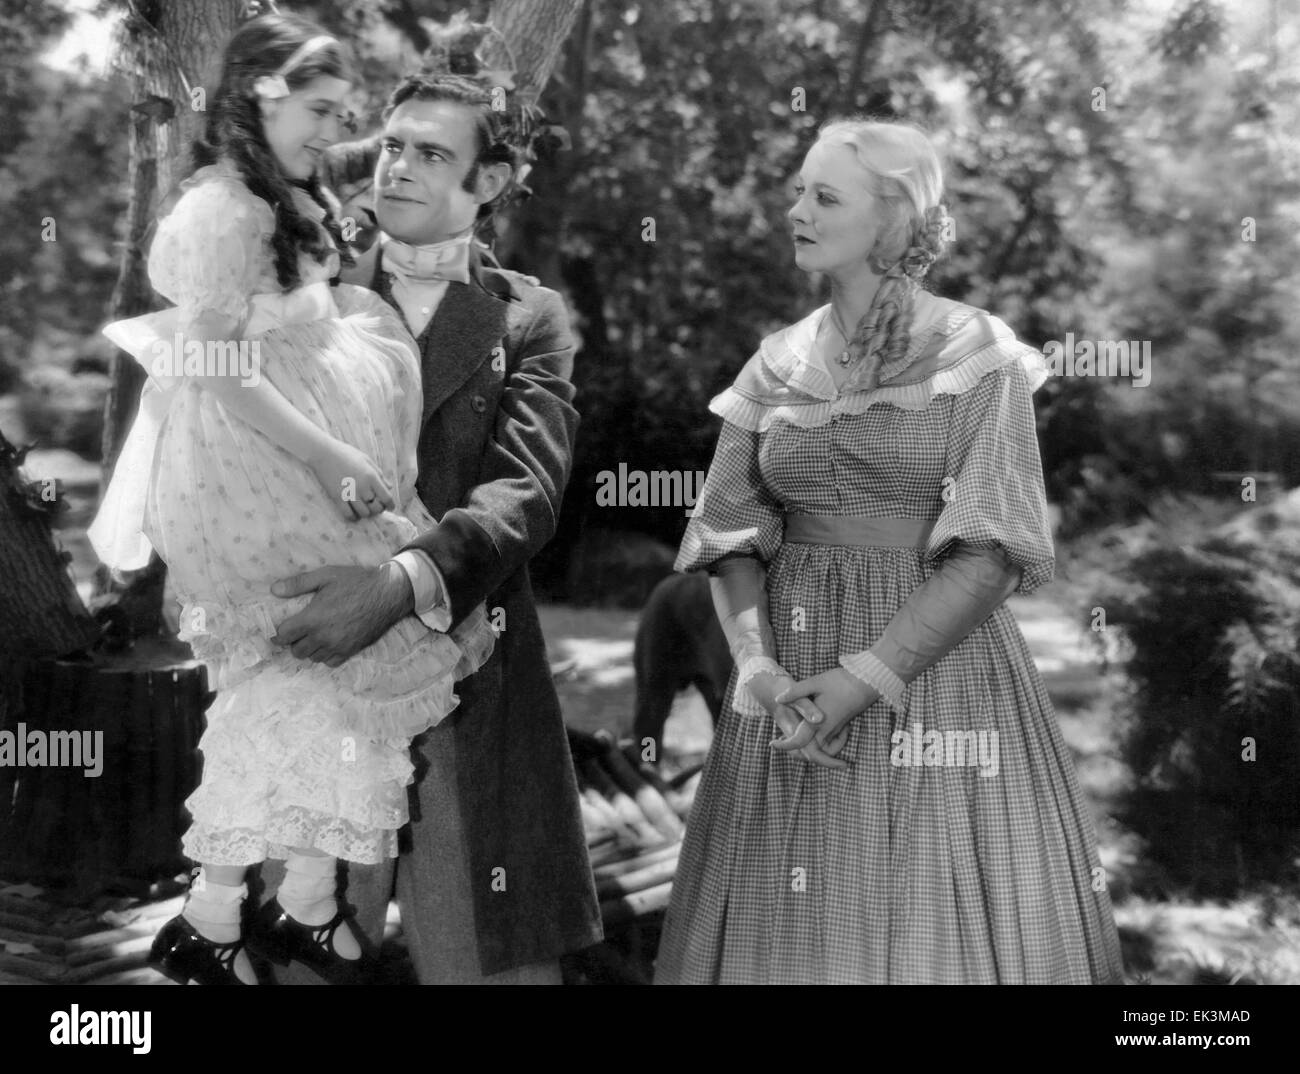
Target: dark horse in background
[{"x": 678, "y": 644}]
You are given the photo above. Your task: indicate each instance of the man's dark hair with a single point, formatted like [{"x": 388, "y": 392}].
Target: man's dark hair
[{"x": 497, "y": 138}]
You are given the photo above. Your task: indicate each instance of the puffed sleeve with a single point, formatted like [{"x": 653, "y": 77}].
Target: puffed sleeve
[
  {"x": 993, "y": 492},
  {"x": 208, "y": 252},
  {"x": 735, "y": 513}
]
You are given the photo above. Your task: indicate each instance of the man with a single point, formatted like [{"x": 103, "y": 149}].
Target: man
[{"x": 495, "y": 883}]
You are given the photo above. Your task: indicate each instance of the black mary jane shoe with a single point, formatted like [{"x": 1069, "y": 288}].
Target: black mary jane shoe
[
  {"x": 279, "y": 938},
  {"x": 184, "y": 954}
]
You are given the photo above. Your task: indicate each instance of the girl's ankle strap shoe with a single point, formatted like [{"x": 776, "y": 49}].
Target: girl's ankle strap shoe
[
  {"x": 184, "y": 954},
  {"x": 279, "y": 938}
]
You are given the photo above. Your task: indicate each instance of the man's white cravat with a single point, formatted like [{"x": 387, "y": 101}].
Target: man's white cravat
[{"x": 421, "y": 273}]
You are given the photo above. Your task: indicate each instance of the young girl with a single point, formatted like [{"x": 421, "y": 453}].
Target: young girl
[{"x": 277, "y": 434}]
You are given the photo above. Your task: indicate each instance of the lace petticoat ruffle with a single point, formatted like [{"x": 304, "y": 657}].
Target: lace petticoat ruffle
[{"x": 297, "y": 754}]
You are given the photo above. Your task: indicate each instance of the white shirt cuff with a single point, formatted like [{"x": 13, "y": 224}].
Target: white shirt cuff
[{"x": 431, "y": 605}]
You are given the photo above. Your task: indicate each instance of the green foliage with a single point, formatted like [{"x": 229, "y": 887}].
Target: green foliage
[
  {"x": 1123, "y": 222},
  {"x": 684, "y": 117},
  {"x": 63, "y": 158},
  {"x": 1213, "y": 627}
]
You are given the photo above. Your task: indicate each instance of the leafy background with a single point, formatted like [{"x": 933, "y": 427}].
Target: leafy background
[{"x": 1119, "y": 223}]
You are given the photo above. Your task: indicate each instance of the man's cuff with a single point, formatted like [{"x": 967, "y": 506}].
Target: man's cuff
[{"x": 431, "y": 604}]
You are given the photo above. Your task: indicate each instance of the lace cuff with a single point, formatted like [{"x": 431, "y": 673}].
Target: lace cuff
[
  {"x": 870, "y": 669},
  {"x": 744, "y": 702}
]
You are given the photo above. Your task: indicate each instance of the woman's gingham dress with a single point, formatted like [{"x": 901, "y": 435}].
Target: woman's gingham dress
[{"x": 887, "y": 873}]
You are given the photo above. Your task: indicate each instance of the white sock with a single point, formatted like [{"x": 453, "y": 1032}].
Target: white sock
[
  {"x": 307, "y": 892},
  {"x": 214, "y": 909},
  {"x": 307, "y": 895}
]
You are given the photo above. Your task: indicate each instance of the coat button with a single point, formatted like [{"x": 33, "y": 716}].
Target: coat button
[{"x": 478, "y": 403}]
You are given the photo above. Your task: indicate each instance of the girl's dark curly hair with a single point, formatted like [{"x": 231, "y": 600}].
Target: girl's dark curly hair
[{"x": 234, "y": 130}]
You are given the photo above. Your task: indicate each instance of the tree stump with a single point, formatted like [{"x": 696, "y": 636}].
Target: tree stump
[{"x": 142, "y": 711}]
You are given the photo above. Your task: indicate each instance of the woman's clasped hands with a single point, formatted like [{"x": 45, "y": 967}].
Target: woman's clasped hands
[{"x": 814, "y": 714}]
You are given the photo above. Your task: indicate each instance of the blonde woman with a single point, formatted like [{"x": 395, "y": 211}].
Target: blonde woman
[{"x": 888, "y": 798}]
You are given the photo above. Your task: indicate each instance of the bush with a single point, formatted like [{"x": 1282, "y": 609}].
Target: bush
[
  {"x": 63, "y": 410},
  {"x": 616, "y": 568},
  {"x": 1212, "y": 732}
]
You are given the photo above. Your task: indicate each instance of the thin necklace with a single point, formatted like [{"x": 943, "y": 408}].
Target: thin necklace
[{"x": 844, "y": 357}]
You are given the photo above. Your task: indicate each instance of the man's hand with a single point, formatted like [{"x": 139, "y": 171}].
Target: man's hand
[{"x": 353, "y": 607}]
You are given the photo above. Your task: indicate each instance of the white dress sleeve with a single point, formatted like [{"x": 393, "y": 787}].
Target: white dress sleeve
[{"x": 209, "y": 252}]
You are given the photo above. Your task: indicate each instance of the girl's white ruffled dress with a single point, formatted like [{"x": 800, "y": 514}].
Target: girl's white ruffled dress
[{"x": 295, "y": 754}]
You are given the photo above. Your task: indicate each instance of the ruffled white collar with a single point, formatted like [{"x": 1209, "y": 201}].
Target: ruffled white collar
[{"x": 954, "y": 347}]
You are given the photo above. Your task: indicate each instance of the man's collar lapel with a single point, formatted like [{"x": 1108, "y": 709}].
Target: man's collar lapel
[{"x": 468, "y": 323}]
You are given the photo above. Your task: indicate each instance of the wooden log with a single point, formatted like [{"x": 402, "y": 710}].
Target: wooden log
[
  {"x": 583, "y": 745},
  {"x": 87, "y": 973},
  {"x": 609, "y": 818},
  {"x": 648, "y": 800},
  {"x": 612, "y": 853},
  {"x": 639, "y": 861},
  {"x": 686, "y": 774},
  {"x": 126, "y": 946},
  {"x": 683, "y": 797},
  {"x": 627, "y": 908},
  {"x": 627, "y": 809},
  {"x": 647, "y": 772},
  {"x": 47, "y": 946},
  {"x": 34, "y": 970},
  {"x": 660, "y": 872},
  {"x": 19, "y": 922},
  {"x": 594, "y": 825},
  {"x": 141, "y": 976},
  {"x": 34, "y": 909}
]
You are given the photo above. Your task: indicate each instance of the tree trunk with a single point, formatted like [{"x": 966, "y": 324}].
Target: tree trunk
[
  {"x": 40, "y": 612},
  {"x": 535, "y": 30},
  {"x": 166, "y": 58}
]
